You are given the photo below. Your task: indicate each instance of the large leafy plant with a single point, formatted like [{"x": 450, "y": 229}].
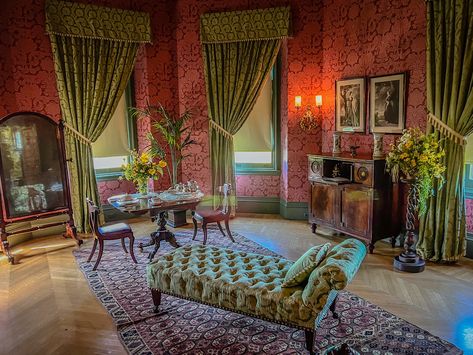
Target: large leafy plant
[
  {"x": 417, "y": 157},
  {"x": 173, "y": 135}
]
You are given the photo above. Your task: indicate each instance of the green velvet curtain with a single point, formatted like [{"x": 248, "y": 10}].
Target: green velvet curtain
[
  {"x": 239, "y": 51},
  {"x": 449, "y": 99},
  {"x": 92, "y": 73}
]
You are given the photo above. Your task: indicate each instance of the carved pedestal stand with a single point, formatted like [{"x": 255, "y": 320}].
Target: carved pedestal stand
[
  {"x": 162, "y": 234},
  {"x": 409, "y": 261}
]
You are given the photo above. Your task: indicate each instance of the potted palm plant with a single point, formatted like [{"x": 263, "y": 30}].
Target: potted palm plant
[{"x": 172, "y": 136}]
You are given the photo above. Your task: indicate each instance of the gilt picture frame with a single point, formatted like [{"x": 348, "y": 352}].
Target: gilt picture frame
[
  {"x": 387, "y": 103},
  {"x": 350, "y": 105}
]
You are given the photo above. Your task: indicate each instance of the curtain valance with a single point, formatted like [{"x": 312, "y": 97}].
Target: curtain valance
[
  {"x": 90, "y": 21},
  {"x": 251, "y": 25}
]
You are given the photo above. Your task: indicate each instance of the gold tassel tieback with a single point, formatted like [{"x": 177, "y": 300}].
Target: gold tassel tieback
[
  {"x": 445, "y": 130},
  {"x": 80, "y": 137},
  {"x": 219, "y": 128}
]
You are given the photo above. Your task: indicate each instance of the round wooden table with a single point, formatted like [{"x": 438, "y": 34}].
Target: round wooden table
[{"x": 157, "y": 204}]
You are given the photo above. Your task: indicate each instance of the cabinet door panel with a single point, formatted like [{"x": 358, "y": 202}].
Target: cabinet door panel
[
  {"x": 323, "y": 203},
  {"x": 356, "y": 208}
]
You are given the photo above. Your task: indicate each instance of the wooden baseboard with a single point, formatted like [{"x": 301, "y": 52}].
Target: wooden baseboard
[
  {"x": 250, "y": 204},
  {"x": 469, "y": 245},
  {"x": 293, "y": 210},
  {"x": 246, "y": 204}
]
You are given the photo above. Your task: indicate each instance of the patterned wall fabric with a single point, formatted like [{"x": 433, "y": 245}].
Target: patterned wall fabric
[
  {"x": 249, "y": 25},
  {"x": 81, "y": 20}
]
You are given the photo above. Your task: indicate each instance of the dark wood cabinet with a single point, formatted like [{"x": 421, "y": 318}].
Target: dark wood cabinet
[
  {"x": 323, "y": 203},
  {"x": 353, "y": 195}
]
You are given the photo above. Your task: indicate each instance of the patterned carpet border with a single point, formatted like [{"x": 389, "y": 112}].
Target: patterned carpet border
[{"x": 185, "y": 327}]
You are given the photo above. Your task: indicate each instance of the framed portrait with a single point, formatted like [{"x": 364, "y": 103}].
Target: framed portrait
[
  {"x": 387, "y": 96},
  {"x": 350, "y": 105}
]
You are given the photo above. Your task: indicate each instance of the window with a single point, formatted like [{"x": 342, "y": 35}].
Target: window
[
  {"x": 469, "y": 167},
  {"x": 111, "y": 150},
  {"x": 257, "y": 142}
]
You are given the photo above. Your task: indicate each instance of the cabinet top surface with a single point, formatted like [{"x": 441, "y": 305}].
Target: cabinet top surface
[{"x": 345, "y": 156}]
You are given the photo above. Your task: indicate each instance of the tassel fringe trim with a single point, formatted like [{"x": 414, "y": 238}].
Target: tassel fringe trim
[{"x": 445, "y": 130}]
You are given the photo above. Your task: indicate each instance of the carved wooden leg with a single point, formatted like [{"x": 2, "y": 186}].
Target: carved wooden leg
[
  {"x": 6, "y": 247},
  {"x": 204, "y": 228},
  {"x": 132, "y": 253},
  {"x": 123, "y": 245},
  {"x": 156, "y": 299},
  {"x": 221, "y": 229},
  {"x": 371, "y": 247},
  {"x": 92, "y": 252},
  {"x": 171, "y": 239},
  {"x": 309, "y": 340},
  {"x": 71, "y": 230},
  {"x": 195, "y": 225},
  {"x": 97, "y": 262},
  {"x": 393, "y": 241},
  {"x": 314, "y": 228},
  {"x": 227, "y": 227},
  {"x": 155, "y": 250},
  {"x": 333, "y": 307}
]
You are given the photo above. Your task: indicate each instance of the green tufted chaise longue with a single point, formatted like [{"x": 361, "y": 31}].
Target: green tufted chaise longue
[{"x": 256, "y": 285}]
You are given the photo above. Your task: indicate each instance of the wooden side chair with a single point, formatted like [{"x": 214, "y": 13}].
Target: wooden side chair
[
  {"x": 108, "y": 232},
  {"x": 220, "y": 214}
]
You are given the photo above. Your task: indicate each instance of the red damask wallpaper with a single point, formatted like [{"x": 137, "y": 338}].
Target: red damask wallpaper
[
  {"x": 302, "y": 75},
  {"x": 370, "y": 38},
  {"x": 27, "y": 78},
  {"x": 469, "y": 215},
  {"x": 332, "y": 40}
]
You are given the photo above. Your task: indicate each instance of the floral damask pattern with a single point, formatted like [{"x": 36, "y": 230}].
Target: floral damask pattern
[
  {"x": 82, "y": 20},
  {"x": 469, "y": 215},
  {"x": 332, "y": 40},
  {"x": 234, "y": 26},
  {"x": 114, "y": 187},
  {"x": 369, "y": 38},
  {"x": 27, "y": 78}
]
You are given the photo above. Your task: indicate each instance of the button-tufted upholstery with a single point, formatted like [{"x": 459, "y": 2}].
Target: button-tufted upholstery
[
  {"x": 251, "y": 283},
  {"x": 246, "y": 282}
]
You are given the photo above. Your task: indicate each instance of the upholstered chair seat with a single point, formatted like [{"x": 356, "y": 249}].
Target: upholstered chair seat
[
  {"x": 115, "y": 231},
  {"x": 117, "y": 228},
  {"x": 206, "y": 214}
]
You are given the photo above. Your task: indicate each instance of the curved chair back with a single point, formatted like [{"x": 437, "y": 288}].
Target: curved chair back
[
  {"x": 225, "y": 191},
  {"x": 93, "y": 217}
]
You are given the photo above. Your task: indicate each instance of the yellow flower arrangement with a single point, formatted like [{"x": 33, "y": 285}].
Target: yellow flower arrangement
[
  {"x": 142, "y": 168},
  {"x": 419, "y": 158}
]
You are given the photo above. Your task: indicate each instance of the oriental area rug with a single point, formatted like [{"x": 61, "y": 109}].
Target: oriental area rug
[{"x": 187, "y": 327}]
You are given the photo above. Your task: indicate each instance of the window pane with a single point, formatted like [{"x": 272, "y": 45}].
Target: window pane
[
  {"x": 253, "y": 157},
  {"x": 255, "y": 134},
  {"x": 469, "y": 150},
  {"x": 114, "y": 139},
  {"x": 110, "y": 162}
]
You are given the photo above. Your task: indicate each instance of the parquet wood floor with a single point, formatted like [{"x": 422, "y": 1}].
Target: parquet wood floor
[{"x": 46, "y": 306}]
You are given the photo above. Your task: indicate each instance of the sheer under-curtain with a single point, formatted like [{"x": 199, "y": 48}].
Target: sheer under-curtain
[
  {"x": 450, "y": 106},
  {"x": 239, "y": 50},
  {"x": 94, "y": 50}
]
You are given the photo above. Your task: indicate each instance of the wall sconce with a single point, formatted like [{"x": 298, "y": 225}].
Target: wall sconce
[{"x": 309, "y": 120}]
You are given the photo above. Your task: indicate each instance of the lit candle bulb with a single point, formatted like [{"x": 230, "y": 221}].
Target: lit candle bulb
[
  {"x": 298, "y": 101},
  {"x": 318, "y": 100}
]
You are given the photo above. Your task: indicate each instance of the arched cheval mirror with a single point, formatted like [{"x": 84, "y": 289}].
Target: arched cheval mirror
[{"x": 34, "y": 183}]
